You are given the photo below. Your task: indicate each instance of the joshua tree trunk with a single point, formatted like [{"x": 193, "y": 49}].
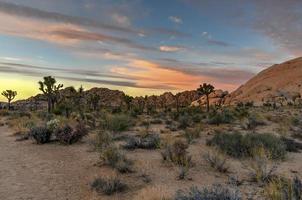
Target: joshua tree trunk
[
  {"x": 208, "y": 103},
  {"x": 9, "y": 107},
  {"x": 49, "y": 105}
]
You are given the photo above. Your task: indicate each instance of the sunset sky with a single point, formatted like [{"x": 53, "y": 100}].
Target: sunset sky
[{"x": 144, "y": 47}]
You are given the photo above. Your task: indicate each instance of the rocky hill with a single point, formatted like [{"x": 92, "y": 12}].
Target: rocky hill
[
  {"x": 114, "y": 99},
  {"x": 280, "y": 84}
]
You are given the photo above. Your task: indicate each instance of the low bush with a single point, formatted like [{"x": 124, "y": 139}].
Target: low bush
[
  {"x": 292, "y": 145},
  {"x": 184, "y": 121},
  {"x": 108, "y": 186},
  {"x": 53, "y": 125},
  {"x": 177, "y": 154},
  {"x": 253, "y": 121},
  {"x": 103, "y": 140},
  {"x": 117, "y": 122},
  {"x": 41, "y": 135},
  {"x": 261, "y": 168},
  {"x": 238, "y": 145},
  {"x": 192, "y": 134},
  {"x": 224, "y": 116},
  {"x": 281, "y": 188},
  {"x": 113, "y": 157},
  {"x": 151, "y": 141},
  {"x": 216, "y": 192},
  {"x": 217, "y": 161},
  {"x": 68, "y": 135}
]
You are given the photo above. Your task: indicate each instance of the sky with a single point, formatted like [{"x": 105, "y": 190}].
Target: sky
[{"x": 144, "y": 47}]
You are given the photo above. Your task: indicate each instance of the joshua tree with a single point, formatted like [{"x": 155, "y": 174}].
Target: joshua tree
[
  {"x": 50, "y": 89},
  {"x": 128, "y": 100},
  {"x": 10, "y": 95},
  {"x": 206, "y": 89},
  {"x": 94, "y": 100},
  {"x": 177, "y": 101}
]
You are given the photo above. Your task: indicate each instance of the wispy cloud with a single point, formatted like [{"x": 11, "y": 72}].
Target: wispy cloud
[
  {"x": 166, "y": 48},
  {"x": 218, "y": 43},
  {"x": 176, "y": 19}
]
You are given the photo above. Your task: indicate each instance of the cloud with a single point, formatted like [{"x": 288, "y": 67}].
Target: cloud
[
  {"x": 176, "y": 19},
  {"x": 280, "y": 21},
  {"x": 55, "y": 17},
  {"x": 171, "y": 48},
  {"x": 218, "y": 43},
  {"x": 121, "y": 19}
]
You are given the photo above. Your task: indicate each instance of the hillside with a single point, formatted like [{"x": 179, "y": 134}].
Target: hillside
[{"x": 280, "y": 84}]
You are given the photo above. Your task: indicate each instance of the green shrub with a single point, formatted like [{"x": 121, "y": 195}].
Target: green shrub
[
  {"x": 192, "y": 134},
  {"x": 117, "y": 122},
  {"x": 224, "y": 116},
  {"x": 108, "y": 186},
  {"x": 184, "y": 121},
  {"x": 216, "y": 192},
  {"x": 253, "y": 121},
  {"x": 113, "y": 157},
  {"x": 177, "y": 154},
  {"x": 238, "y": 145},
  {"x": 41, "y": 135}
]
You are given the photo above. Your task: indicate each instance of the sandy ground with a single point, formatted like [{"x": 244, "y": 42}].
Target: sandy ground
[{"x": 36, "y": 172}]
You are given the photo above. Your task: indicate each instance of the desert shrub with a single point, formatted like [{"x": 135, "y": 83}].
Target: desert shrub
[
  {"x": 4, "y": 113},
  {"x": 253, "y": 121},
  {"x": 177, "y": 153},
  {"x": 224, "y": 116},
  {"x": 184, "y": 121},
  {"x": 151, "y": 141},
  {"x": 192, "y": 134},
  {"x": 216, "y": 192},
  {"x": 113, "y": 157},
  {"x": 103, "y": 139},
  {"x": 261, "y": 168},
  {"x": 108, "y": 186},
  {"x": 68, "y": 135},
  {"x": 238, "y": 145},
  {"x": 217, "y": 161},
  {"x": 281, "y": 188},
  {"x": 117, "y": 122},
  {"x": 291, "y": 145},
  {"x": 41, "y": 135},
  {"x": 53, "y": 124}
]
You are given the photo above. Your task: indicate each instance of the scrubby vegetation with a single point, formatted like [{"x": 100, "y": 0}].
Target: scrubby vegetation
[
  {"x": 177, "y": 153},
  {"x": 216, "y": 192},
  {"x": 148, "y": 144},
  {"x": 238, "y": 145},
  {"x": 41, "y": 135},
  {"x": 108, "y": 186},
  {"x": 69, "y": 135}
]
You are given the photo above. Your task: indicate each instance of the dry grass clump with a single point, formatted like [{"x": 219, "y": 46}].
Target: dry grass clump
[
  {"x": 217, "y": 161},
  {"x": 108, "y": 185},
  {"x": 113, "y": 157},
  {"x": 177, "y": 153},
  {"x": 192, "y": 133},
  {"x": 261, "y": 168},
  {"x": 281, "y": 188}
]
